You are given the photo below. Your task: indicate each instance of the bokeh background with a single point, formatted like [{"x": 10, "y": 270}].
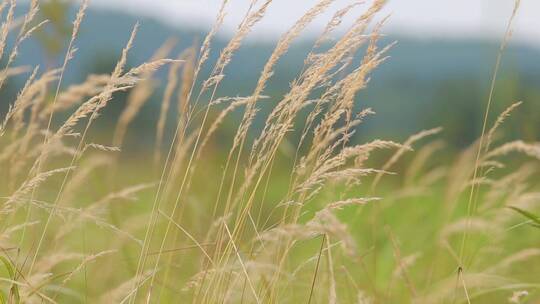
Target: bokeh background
[{"x": 438, "y": 73}]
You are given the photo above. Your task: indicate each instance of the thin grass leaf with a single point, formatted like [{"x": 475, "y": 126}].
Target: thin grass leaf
[
  {"x": 14, "y": 290},
  {"x": 527, "y": 214}
]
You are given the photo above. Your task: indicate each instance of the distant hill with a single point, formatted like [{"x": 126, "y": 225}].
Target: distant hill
[{"x": 425, "y": 83}]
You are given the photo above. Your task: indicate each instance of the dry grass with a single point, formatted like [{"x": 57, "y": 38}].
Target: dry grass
[{"x": 322, "y": 222}]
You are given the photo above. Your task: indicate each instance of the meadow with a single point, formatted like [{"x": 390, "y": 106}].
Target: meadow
[{"x": 256, "y": 198}]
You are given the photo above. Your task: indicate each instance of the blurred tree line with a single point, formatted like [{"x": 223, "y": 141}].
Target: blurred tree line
[{"x": 405, "y": 103}]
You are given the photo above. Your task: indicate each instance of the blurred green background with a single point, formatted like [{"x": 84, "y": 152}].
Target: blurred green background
[{"x": 425, "y": 83}]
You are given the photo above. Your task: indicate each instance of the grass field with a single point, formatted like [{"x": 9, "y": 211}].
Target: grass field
[{"x": 220, "y": 210}]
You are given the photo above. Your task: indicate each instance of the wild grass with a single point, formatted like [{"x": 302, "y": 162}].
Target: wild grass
[{"x": 295, "y": 211}]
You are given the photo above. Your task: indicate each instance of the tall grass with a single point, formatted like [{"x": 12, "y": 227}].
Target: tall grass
[{"x": 293, "y": 211}]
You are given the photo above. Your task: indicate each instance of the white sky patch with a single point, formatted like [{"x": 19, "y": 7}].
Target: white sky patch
[{"x": 420, "y": 18}]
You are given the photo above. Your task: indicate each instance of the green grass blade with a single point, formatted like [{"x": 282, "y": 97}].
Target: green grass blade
[
  {"x": 527, "y": 214},
  {"x": 14, "y": 290}
]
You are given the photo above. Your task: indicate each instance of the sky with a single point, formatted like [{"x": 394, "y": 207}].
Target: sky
[{"x": 421, "y": 18}]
